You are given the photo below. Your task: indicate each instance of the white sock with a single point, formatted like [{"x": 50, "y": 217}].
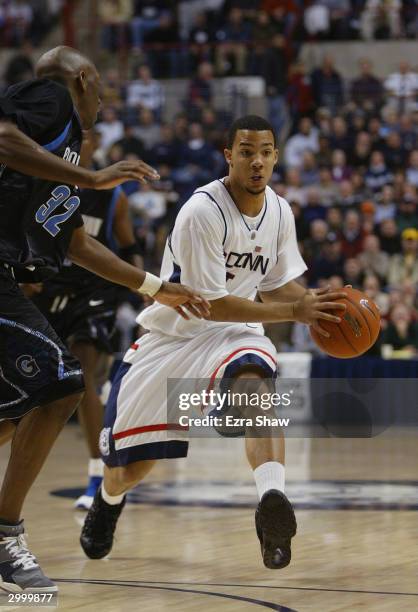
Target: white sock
[
  {"x": 269, "y": 475},
  {"x": 96, "y": 467},
  {"x": 113, "y": 500}
]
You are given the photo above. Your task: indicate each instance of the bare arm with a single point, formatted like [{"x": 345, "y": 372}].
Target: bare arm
[
  {"x": 304, "y": 306},
  {"x": 21, "y": 153},
  {"x": 94, "y": 256},
  {"x": 290, "y": 292},
  {"x": 123, "y": 230}
]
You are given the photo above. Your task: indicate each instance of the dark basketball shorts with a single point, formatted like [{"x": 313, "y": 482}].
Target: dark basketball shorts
[
  {"x": 35, "y": 366},
  {"x": 82, "y": 317}
]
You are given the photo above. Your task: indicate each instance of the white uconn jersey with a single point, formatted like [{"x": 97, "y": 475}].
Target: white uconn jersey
[{"x": 217, "y": 251}]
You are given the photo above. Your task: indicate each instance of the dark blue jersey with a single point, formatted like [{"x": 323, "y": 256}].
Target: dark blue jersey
[
  {"x": 38, "y": 216},
  {"x": 98, "y": 211}
]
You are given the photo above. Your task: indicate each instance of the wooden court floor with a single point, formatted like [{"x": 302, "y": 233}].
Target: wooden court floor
[{"x": 189, "y": 543}]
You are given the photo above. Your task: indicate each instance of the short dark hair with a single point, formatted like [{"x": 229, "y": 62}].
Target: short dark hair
[{"x": 250, "y": 122}]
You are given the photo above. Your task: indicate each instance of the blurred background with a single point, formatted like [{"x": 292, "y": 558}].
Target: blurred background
[{"x": 337, "y": 79}]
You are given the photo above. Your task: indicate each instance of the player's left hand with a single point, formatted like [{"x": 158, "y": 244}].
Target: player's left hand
[{"x": 183, "y": 299}]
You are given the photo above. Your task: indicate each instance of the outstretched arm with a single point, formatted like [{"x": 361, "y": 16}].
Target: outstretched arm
[
  {"x": 21, "y": 153},
  {"x": 94, "y": 256}
]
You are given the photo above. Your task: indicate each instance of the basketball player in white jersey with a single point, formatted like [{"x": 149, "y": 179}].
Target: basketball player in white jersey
[{"x": 234, "y": 238}]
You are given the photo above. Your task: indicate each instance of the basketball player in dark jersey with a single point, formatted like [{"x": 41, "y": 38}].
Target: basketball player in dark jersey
[
  {"x": 81, "y": 307},
  {"x": 41, "y": 124}
]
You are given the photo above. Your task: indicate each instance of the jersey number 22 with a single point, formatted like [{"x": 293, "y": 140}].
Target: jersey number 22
[{"x": 60, "y": 195}]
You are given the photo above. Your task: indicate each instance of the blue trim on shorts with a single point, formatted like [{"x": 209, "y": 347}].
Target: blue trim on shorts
[
  {"x": 248, "y": 359},
  {"x": 57, "y": 142},
  {"x": 175, "y": 275},
  {"x": 111, "y": 405},
  {"x": 170, "y": 449},
  {"x": 110, "y": 218}
]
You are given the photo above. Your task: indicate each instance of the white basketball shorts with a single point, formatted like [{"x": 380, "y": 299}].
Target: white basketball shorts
[{"x": 135, "y": 424}]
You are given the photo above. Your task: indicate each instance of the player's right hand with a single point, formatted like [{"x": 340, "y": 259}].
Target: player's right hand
[
  {"x": 182, "y": 298},
  {"x": 124, "y": 171},
  {"x": 313, "y": 306}
]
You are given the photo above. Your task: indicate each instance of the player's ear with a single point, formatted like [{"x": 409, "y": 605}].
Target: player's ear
[
  {"x": 82, "y": 80},
  {"x": 228, "y": 155},
  {"x": 276, "y": 156}
]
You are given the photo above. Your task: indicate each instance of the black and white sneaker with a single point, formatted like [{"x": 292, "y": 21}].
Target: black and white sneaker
[
  {"x": 275, "y": 523},
  {"x": 96, "y": 537},
  {"x": 19, "y": 569}
]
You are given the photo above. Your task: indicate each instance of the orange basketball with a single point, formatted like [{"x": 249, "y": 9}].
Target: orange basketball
[{"x": 358, "y": 330}]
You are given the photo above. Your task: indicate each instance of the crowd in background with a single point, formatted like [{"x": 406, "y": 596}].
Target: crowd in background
[
  {"x": 173, "y": 36},
  {"x": 348, "y": 154},
  {"x": 27, "y": 23}
]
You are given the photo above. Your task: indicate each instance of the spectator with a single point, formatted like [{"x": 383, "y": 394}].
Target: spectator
[
  {"x": 394, "y": 152},
  {"x": 404, "y": 266},
  {"x": 200, "y": 39},
  {"x": 352, "y": 235},
  {"x": 407, "y": 132},
  {"x": 115, "y": 16},
  {"x": 327, "y": 86},
  {"x": 389, "y": 237},
  {"x": 324, "y": 153},
  {"x": 146, "y": 19},
  {"x": 407, "y": 215},
  {"x": 19, "y": 17},
  {"x": 339, "y": 137},
  {"x": 339, "y": 12},
  {"x": 372, "y": 259},
  {"x": 305, "y": 139},
  {"x": 412, "y": 169},
  {"x": 318, "y": 234},
  {"x": 201, "y": 87},
  {"x": 334, "y": 218},
  {"x": 346, "y": 195},
  {"x": 145, "y": 92},
  {"x": 371, "y": 287},
  {"x": 148, "y": 131},
  {"x": 274, "y": 71},
  {"x": 339, "y": 169},
  {"x": 367, "y": 90},
  {"x": 402, "y": 331},
  {"x": 381, "y": 19},
  {"x": 263, "y": 33},
  {"x": 329, "y": 262},
  {"x": 233, "y": 37},
  {"x": 377, "y": 175},
  {"x": 167, "y": 150},
  {"x": 20, "y": 67},
  {"x": 353, "y": 274},
  {"x": 112, "y": 91},
  {"x": 402, "y": 88},
  {"x": 386, "y": 207},
  {"x": 131, "y": 145},
  {"x": 110, "y": 127},
  {"x": 360, "y": 156},
  {"x": 314, "y": 209},
  {"x": 162, "y": 45},
  {"x": 309, "y": 172},
  {"x": 299, "y": 93},
  {"x": 294, "y": 188},
  {"x": 148, "y": 203},
  {"x": 328, "y": 190}
]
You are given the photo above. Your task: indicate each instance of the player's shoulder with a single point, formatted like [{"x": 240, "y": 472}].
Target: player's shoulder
[
  {"x": 38, "y": 91},
  {"x": 205, "y": 200},
  {"x": 278, "y": 204},
  {"x": 203, "y": 208}
]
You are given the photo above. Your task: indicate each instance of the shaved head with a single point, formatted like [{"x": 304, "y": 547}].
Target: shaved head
[
  {"x": 62, "y": 62},
  {"x": 74, "y": 70}
]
